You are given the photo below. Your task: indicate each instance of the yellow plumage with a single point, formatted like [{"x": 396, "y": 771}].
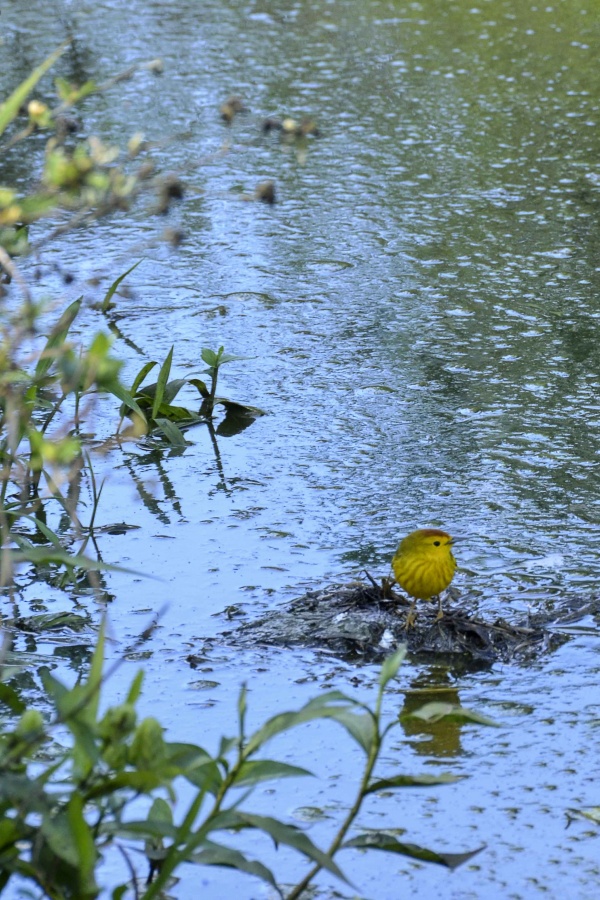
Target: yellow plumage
[{"x": 424, "y": 564}]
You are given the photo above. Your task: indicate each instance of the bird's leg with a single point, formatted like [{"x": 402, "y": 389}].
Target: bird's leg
[
  {"x": 411, "y": 616},
  {"x": 440, "y": 614}
]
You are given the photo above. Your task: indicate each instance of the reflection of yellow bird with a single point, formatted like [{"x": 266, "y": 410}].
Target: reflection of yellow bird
[{"x": 424, "y": 566}]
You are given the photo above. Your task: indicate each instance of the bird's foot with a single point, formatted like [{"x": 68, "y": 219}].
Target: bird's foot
[
  {"x": 411, "y": 618},
  {"x": 440, "y": 612}
]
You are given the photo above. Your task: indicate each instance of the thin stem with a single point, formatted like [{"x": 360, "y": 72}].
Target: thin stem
[{"x": 355, "y": 808}]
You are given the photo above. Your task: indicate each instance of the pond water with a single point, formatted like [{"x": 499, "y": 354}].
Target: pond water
[{"x": 420, "y": 317}]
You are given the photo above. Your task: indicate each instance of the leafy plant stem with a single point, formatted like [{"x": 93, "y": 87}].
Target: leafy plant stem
[
  {"x": 372, "y": 757},
  {"x": 176, "y": 856}
]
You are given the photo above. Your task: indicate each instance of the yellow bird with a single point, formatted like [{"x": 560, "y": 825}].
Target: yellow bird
[{"x": 424, "y": 566}]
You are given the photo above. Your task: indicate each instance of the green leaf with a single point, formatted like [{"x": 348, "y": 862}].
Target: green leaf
[
  {"x": 23, "y": 791},
  {"x": 136, "y": 688},
  {"x": 171, "y": 389},
  {"x": 228, "y": 357},
  {"x": 380, "y": 840},
  {"x": 142, "y": 781},
  {"x": 126, "y": 397},
  {"x": 109, "y": 294},
  {"x": 11, "y": 106},
  {"x": 401, "y": 781},
  {"x": 94, "y": 679},
  {"x": 196, "y": 765},
  {"x": 213, "y": 854},
  {"x": 47, "y": 532},
  {"x": 10, "y": 698},
  {"x": 242, "y": 706},
  {"x": 200, "y": 387},
  {"x": 171, "y": 432},
  {"x": 141, "y": 375},
  {"x": 160, "y": 811},
  {"x": 281, "y": 833},
  {"x": 254, "y": 771},
  {"x": 390, "y": 666},
  {"x": 41, "y": 555},
  {"x": 210, "y": 357},
  {"x": 241, "y": 409},
  {"x": 57, "y": 338},
  {"x": 449, "y": 712},
  {"x": 163, "y": 377},
  {"x": 59, "y": 838},
  {"x": 84, "y": 843},
  {"x": 320, "y": 707}
]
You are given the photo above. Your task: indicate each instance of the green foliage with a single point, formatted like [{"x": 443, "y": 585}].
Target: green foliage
[
  {"x": 10, "y": 108},
  {"x": 35, "y": 397},
  {"x": 154, "y": 402},
  {"x": 59, "y": 820},
  {"x": 84, "y": 781},
  {"x": 90, "y": 178}
]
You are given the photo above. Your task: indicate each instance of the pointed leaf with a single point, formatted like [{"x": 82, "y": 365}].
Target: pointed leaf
[
  {"x": 83, "y": 841},
  {"x": 142, "y": 781},
  {"x": 383, "y": 841},
  {"x": 390, "y": 666},
  {"x": 127, "y": 399},
  {"x": 138, "y": 829},
  {"x": 11, "y": 106},
  {"x": 401, "y": 781},
  {"x": 115, "y": 285},
  {"x": 320, "y": 707},
  {"x": 209, "y": 357},
  {"x": 47, "y": 532},
  {"x": 10, "y": 698},
  {"x": 254, "y": 771},
  {"x": 281, "y": 834},
  {"x": 449, "y": 712},
  {"x": 229, "y": 357},
  {"x": 163, "y": 377},
  {"x": 94, "y": 679},
  {"x": 160, "y": 811},
  {"x": 171, "y": 432},
  {"x": 57, "y": 338},
  {"x": 136, "y": 688},
  {"x": 213, "y": 854},
  {"x": 42, "y": 555},
  {"x": 141, "y": 375},
  {"x": 200, "y": 387}
]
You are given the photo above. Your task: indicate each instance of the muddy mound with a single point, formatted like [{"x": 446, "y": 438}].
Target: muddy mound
[{"x": 362, "y": 621}]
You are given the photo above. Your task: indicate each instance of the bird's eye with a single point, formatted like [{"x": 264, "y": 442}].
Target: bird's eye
[{"x": 436, "y": 543}]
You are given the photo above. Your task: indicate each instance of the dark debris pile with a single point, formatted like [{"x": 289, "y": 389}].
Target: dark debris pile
[{"x": 361, "y": 621}]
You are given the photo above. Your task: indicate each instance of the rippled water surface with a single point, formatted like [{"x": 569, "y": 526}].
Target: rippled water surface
[{"x": 420, "y": 316}]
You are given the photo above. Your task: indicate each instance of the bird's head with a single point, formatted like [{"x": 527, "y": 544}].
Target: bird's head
[{"x": 428, "y": 541}]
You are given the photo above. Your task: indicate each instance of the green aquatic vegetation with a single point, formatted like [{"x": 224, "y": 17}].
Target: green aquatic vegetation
[
  {"x": 155, "y": 401},
  {"x": 43, "y": 390},
  {"x": 64, "y": 812}
]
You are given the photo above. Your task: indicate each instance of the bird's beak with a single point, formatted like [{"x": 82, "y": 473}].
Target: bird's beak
[{"x": 455, "y": 540}]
